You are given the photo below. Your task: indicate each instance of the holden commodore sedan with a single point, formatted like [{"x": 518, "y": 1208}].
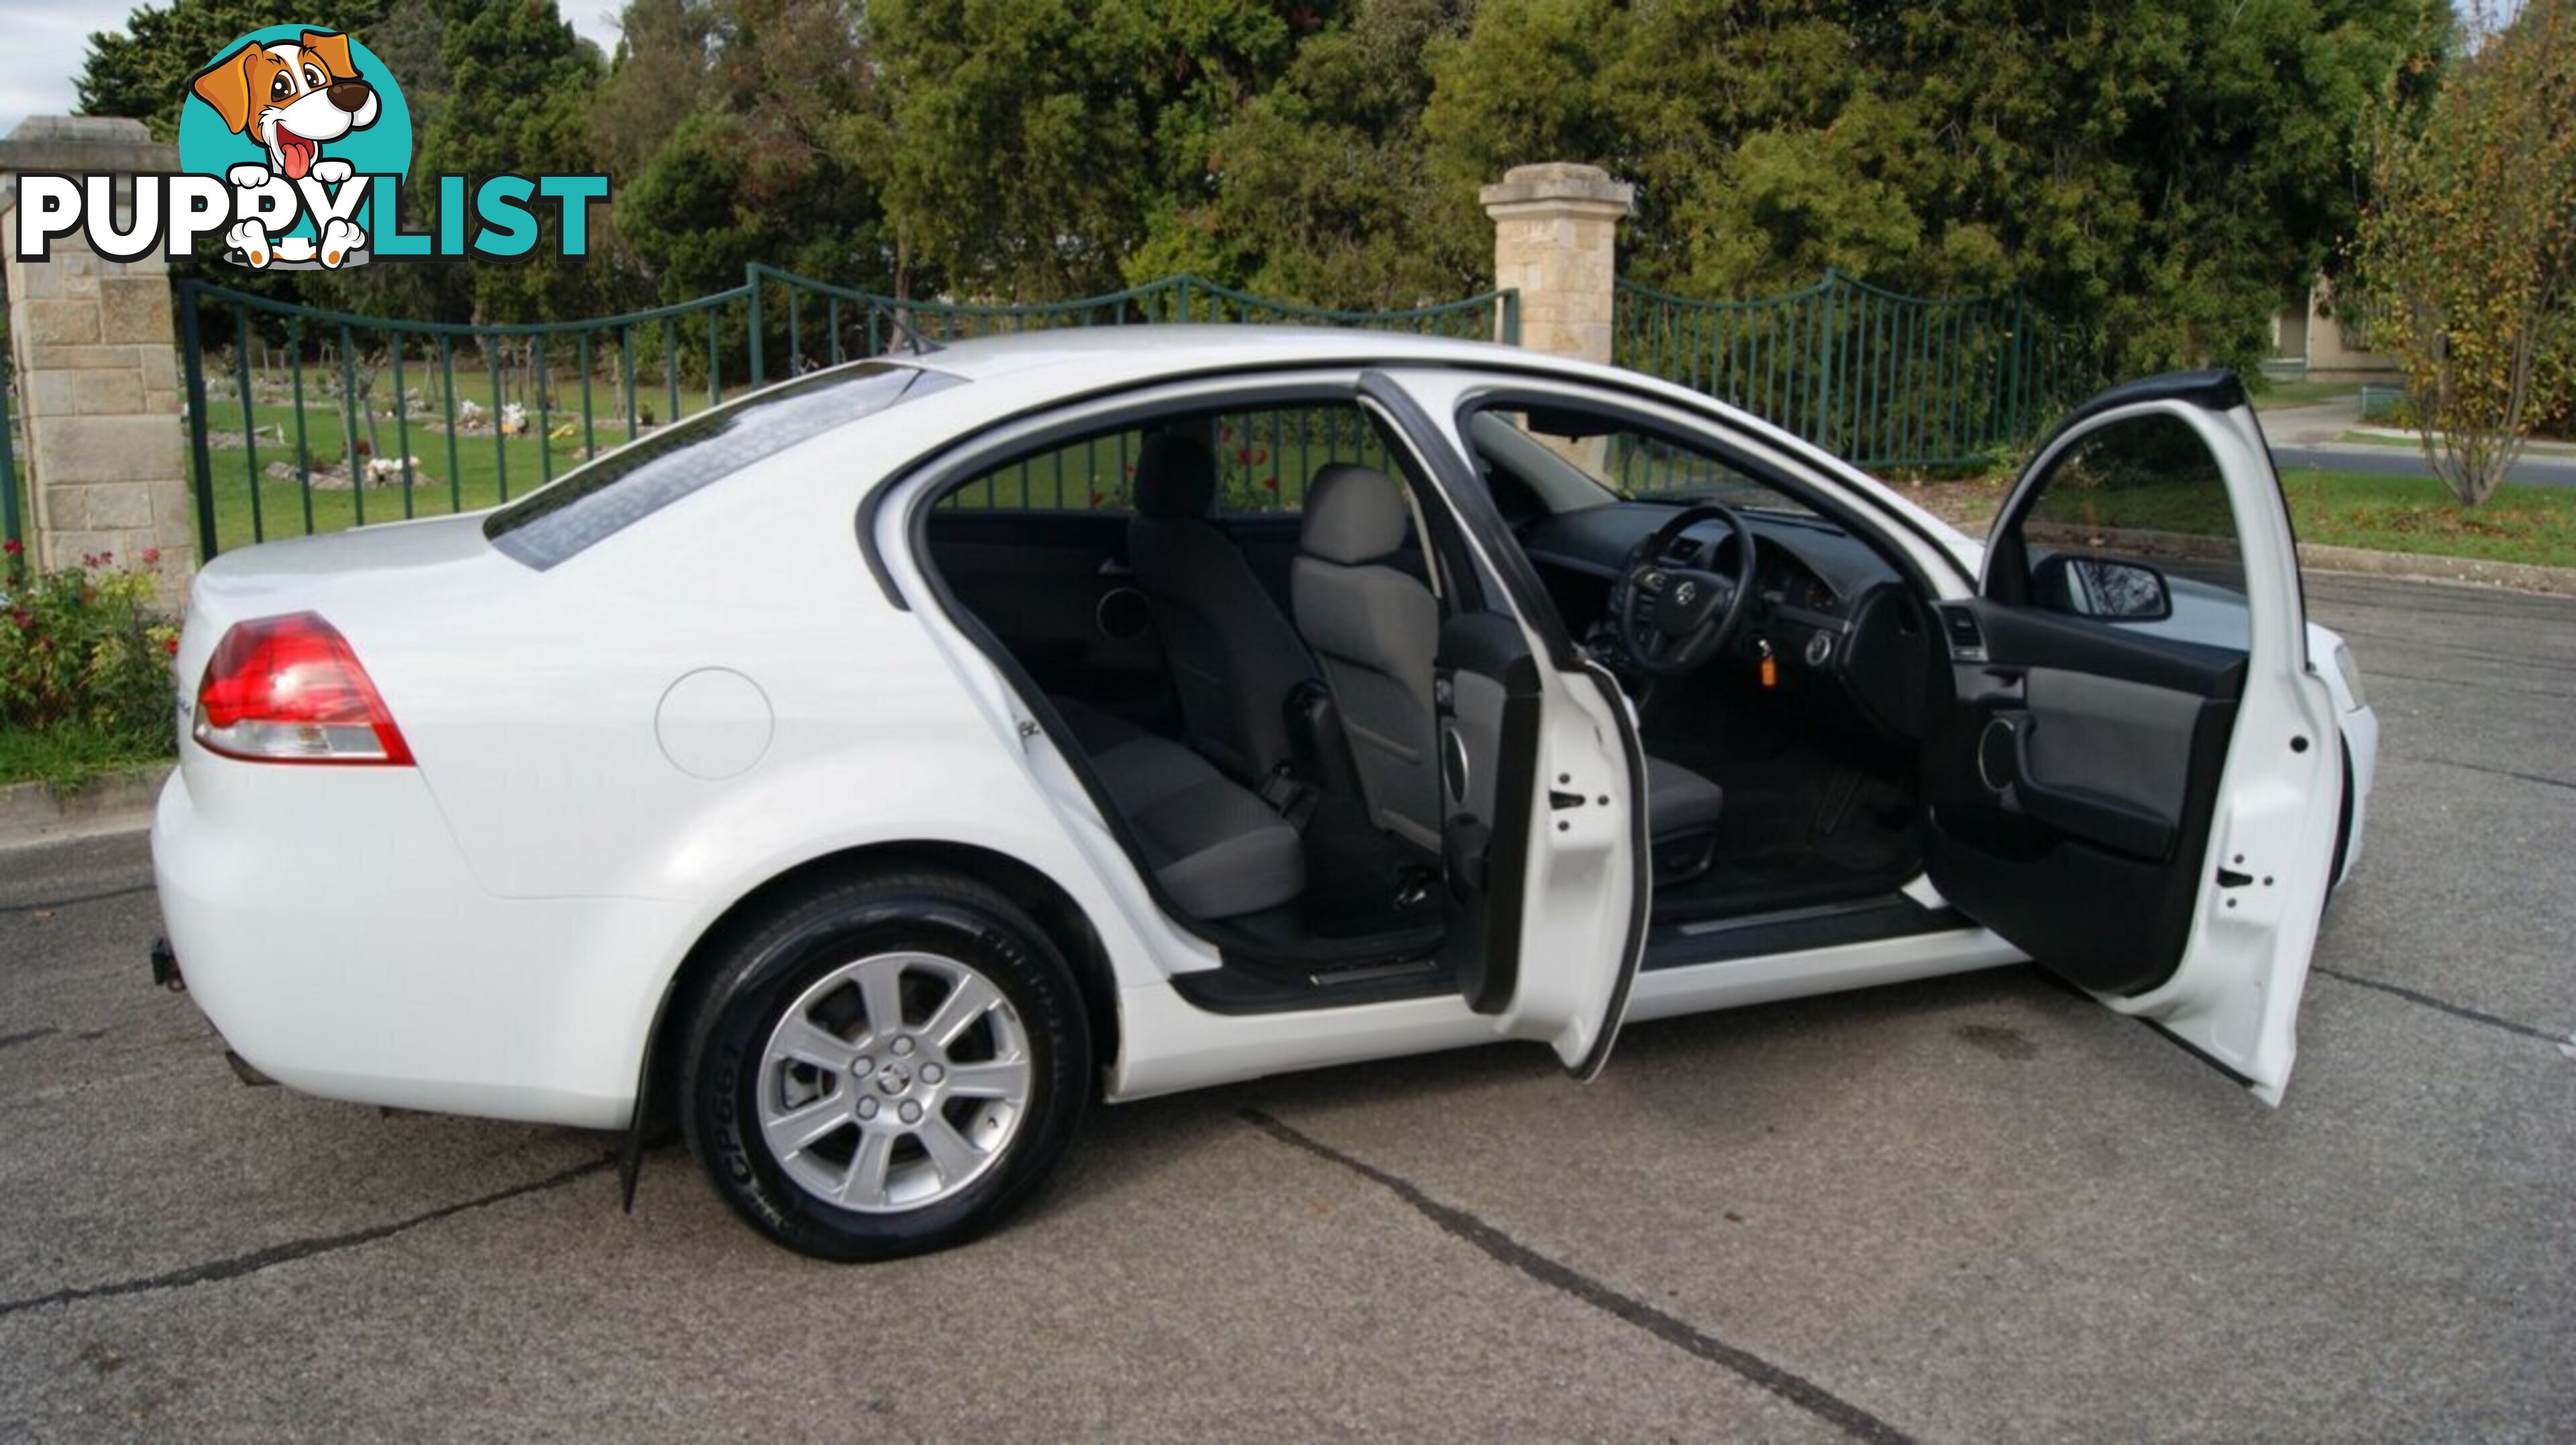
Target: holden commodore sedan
[{"x": 870, "y": 774}]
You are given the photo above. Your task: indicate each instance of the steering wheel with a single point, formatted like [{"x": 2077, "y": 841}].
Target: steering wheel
[{"x": 1695, "y": 611}]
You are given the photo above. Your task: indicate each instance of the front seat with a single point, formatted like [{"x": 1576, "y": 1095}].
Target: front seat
[
  {"x": 1377, "y": 632},
  {"x": 1234, "y": 658}
]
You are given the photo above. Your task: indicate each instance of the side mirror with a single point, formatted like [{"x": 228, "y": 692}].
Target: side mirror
[{"x": 2106, "y": 587}]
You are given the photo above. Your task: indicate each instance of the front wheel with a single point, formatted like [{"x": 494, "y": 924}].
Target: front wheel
[{"x": 886, "y": 1066}]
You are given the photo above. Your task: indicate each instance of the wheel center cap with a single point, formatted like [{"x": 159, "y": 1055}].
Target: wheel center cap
[{"x": 894, "y": 1078}]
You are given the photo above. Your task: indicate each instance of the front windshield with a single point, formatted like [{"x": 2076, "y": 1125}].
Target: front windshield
[{"x": 1620, "y": 463}]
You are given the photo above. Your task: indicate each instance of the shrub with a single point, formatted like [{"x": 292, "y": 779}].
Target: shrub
[{"x": 82, "y": 650}]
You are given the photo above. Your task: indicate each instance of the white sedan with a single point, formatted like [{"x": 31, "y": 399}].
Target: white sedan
[{"x": 869, "y": 774}]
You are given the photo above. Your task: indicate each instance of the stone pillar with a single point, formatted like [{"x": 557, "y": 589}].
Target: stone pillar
[
  {"x": 1555, "y": 241},
  {"x": 97, "y": 375}
]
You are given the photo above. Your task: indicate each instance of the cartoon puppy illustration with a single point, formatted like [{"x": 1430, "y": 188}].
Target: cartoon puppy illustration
[{"x": 291, "y": 97}]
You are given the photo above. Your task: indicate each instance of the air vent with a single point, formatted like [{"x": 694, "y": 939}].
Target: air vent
[{"x": 1967, "y": 640}]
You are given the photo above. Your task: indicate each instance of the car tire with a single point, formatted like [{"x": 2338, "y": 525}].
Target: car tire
[{"x": 821, "y": 1104}]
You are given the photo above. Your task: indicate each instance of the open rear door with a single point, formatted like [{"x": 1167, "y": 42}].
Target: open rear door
[
  {"x": 2140, "y": 783},
  {"x": 1542, "y": 779}
]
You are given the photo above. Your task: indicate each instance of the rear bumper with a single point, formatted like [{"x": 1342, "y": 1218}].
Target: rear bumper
[{"x": 331, "y": 932}]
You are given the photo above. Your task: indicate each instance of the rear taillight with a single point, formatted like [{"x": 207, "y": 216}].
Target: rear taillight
[{"x": 289, "y": 690}]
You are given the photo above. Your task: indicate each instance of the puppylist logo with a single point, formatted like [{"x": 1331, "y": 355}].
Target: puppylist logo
[{"x": 294, "y": 147}]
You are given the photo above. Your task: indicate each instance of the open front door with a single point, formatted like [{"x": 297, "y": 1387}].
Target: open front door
[
  {"x": 1542, "y": 777},
  {"x": 2140, "y": 784}
]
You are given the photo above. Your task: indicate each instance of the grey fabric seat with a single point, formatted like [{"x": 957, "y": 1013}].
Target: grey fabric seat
[
  {"x": 1216, "y": 850},
  {"x": 1679, "y": 803},
  {"x": 1377, "y": 633},
  {"x": 1234, "y": 658}
]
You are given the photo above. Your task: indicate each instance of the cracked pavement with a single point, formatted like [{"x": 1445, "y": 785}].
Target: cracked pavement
[{"x": 1965, "y": 1209}]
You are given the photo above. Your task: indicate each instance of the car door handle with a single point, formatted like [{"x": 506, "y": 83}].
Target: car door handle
[{"x": 1112, "y": 567}]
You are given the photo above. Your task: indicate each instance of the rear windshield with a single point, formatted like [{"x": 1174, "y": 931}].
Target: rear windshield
[{"x": 634, "y": 482}]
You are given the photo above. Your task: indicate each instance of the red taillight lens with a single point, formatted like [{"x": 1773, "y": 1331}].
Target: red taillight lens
[{"x": 289, "y": 690}]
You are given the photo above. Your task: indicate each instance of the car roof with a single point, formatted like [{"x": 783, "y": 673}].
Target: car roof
[{"x": 1088, "y": 354}]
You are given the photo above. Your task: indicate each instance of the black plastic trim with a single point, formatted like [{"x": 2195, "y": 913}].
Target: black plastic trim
[
  {"x": 2025, "y": 637},
  {"x": 1239, "y": 989},
  {"x": 1890, "y": 916}
]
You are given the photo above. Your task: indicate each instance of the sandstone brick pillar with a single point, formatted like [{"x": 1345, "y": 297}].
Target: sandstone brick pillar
[
  {"x": 97, "y": 374},
  {"x": 1555, "y": 240}
]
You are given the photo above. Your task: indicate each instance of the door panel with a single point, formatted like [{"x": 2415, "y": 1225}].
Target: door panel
[
  {"x": 1056, "y": 589},
  {"x": 1564, "y": 929},
  {"x": 1485, "y": 688},
  {"x": 2138, "y": 783}
]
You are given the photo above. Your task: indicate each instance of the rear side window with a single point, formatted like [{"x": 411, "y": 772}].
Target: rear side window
[
  {"x": 613, "y": 493},
  {"x": 1264, "y": 459}
]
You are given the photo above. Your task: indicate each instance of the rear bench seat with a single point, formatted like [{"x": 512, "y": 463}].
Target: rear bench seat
[{"x": 1215, "y": 848}]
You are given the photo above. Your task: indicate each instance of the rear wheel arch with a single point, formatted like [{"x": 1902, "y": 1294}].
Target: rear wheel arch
[{"x": 1046, "y": 903}]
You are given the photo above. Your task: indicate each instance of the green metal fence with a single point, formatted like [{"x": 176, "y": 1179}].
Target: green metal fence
[
  {"x": 303, "y": 420},
  {"x": 814, "y": 323},
  {"x": 13, "y": 527},
  {"x": 1885, "y": 379}
]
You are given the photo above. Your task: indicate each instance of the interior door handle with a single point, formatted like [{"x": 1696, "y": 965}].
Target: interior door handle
[{"x": 1112, "y": 567}]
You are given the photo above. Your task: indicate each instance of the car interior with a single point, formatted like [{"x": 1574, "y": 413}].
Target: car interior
[
  {"x": 1240, "y": 635},
  {"x": 1260, "y": 650}
]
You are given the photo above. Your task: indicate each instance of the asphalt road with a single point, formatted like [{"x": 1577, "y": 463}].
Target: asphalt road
[
  {"x": 2538, "y": 471},
  {"x": 1973, "y": 1209}
]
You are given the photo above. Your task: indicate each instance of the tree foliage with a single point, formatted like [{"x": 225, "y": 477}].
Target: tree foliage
[
  {"x": 143, "y": 70},
  {"x": 2469, "y": 247},
  {"x": 2158, "y": 174},
  {"x": 753, "y": 154}
]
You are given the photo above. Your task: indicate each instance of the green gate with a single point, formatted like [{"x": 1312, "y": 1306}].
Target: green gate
[
  {"x": 814, "y": 323},
  {"x": 1884, "y": 379},
  {"x": 13, "y": 527},
  {"x": 303, "y": 420},
  {"x": 347, "y": 419}
]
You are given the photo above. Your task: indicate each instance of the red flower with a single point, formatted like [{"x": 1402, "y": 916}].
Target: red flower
[
  {"x": 1272, "y": 483},
  {"x": 24, "y": 620},
  {"x": 1244, "y": 455},
  {"x": 171, "y": 647},
  {"x": 151, "y": 556},
  {"x": 11, "y": 548}
]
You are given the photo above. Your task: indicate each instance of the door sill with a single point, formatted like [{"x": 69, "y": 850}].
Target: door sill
[
  {"x": 1792, "y": 930},
  {"x": 1239, "y": 987}
]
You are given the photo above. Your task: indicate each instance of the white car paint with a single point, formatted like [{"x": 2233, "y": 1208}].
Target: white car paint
[{"x": 494, "y": 931}]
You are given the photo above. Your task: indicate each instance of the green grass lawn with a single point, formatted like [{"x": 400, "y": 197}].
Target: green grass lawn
[
  {"x": 67, "y": 755},
  {"x": 2276, "y": 395},
  {"x": 2343, "y": 509},
  {"x": 2417, "y": 514}
]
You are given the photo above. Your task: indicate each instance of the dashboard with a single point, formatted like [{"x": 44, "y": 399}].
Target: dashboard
[{"x": 1849, "y": 643}]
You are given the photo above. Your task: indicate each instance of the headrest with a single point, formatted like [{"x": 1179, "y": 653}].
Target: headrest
[
  {"x": 1175, "y": 476},
  {"x": 1353, "y": 515}
]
